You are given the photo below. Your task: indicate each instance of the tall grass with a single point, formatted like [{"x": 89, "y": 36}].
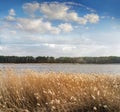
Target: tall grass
[{"x": 58, "y": 92}]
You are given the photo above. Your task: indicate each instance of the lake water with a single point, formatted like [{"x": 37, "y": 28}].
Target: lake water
[{"x": 74, "y": 68}]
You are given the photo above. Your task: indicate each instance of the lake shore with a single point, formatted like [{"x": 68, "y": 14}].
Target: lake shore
[{"x": 59, "y": 92}]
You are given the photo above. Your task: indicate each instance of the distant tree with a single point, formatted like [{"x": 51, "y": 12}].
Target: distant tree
[{"x": 43, "y": 59}]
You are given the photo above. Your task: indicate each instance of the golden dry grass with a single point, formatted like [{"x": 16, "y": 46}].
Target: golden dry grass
[{"x": 58, "y": 92}]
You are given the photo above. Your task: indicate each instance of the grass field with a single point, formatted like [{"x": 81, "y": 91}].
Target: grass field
[{"x": 58, "y": 92}]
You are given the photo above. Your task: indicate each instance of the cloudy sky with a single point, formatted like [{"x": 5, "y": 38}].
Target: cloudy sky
[{"x": 60, "y": 28}]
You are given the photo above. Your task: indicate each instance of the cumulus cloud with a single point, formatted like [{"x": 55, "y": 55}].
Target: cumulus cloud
[
  {"x": 10, "y": 18},
  {"x": 40, "y": 26},
  {"x": 55, "y": 10},
  {"x": 59, "y": 11},
  {"x": 36, "y": 25},
  {"x": 11, "y": 15},
  {"x": 92, "y": 18},
  {"x": 66, "y": 27},
  {"x": 45, "y": 24},
  {"x": 30, "y": 8},
  {"x": 12, "y": 12}
]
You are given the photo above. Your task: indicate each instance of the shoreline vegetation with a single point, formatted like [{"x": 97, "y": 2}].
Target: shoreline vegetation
[
  {"x": 48, "y": 59},
  {"x": 58, "y": 92}
]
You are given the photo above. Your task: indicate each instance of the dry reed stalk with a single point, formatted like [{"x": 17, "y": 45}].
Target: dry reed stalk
[{"x": 58, "y": 92}]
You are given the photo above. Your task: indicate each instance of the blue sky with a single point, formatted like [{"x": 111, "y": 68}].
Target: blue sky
[{"x": 60, "y": 28}]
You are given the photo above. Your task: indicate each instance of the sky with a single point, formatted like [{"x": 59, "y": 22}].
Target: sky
[{"x": 58, "y": 28}]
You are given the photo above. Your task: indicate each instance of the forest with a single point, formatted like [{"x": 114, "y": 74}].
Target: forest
[{"x": 47, "y": 59}]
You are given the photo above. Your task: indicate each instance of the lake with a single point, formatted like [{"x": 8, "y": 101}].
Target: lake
[{"x": 69, "y": 68}]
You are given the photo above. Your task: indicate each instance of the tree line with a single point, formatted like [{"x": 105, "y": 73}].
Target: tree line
[{"x": 47, "y": 59}]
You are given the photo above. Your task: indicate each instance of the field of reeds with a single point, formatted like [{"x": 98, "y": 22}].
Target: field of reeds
[{"x": 30, "y": 91}]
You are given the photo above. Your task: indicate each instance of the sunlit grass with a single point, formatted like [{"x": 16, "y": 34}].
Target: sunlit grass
[{"x": 58, "y": 92}]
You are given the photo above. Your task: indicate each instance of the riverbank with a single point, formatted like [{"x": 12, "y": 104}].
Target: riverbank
[{"x": 59, "y": 92}]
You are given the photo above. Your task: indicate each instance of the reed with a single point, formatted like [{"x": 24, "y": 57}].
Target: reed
[{"x": 31, "y": 91}]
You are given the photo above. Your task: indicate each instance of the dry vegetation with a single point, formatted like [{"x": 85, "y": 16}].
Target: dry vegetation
[{"x": 58, "y": 92}]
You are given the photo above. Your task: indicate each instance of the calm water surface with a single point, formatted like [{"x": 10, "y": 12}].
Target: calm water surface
[{"x": 76, "y": 68}]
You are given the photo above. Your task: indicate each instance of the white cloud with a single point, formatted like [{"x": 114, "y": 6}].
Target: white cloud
[
  {"x": 54, "y": 10},
  {"x": 62, "y": 47},
  {"x": 82, "y": 20},
  {"x": 50, "y": 45},
  {"x": 66, "y": 27},
  {"x": 36, "y": 25},
  {"x": 59, "y": 11},
  {"x": 92, "y": 18},
  {"x": 68, "y": 48},
  {"x": 11, "y": 15},
  {"x": 12, "y": 12},
  {"x": 42, "y": 25},
  {"x": 30, "y": 8},
  {"x": 10, "y": 18}
]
